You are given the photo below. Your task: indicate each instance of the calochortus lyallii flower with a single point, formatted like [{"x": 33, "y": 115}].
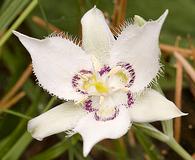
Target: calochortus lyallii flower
[{"x": 105, "y": 81}]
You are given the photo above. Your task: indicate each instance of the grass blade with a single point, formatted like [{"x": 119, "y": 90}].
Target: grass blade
[
  {"x": 15, "y": 152},
  {"x": 8, "y": 142},
  {"x": 148, "y": 146},
  {"x": 17, "y": 23},
  {"x": 9, "y": 12},
  {"x": 52, "y": 152}
]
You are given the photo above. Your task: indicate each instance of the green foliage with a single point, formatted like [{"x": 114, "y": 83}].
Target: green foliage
[
  {"x": 148, "y": 146},
  {"x": 53, "y": 152},
  {"x": 9, "y": 10}
]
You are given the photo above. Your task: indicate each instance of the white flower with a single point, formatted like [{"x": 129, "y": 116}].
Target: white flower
[{"x": 102, "y": 80}]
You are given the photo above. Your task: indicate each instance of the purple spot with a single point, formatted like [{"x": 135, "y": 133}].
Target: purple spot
[
  {"x": 128, "y": 67},
  {"x": 130, "y": 99},
  {"x": 104, "y": 70},
  {"x": 83, "y": 71},
  {"x": 111, "y": 117},
  {"x": 76, "y": 79},
  {"x": 88, "y": 105}
]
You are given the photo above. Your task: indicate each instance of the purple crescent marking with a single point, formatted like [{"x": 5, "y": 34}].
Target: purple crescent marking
[
  {"x": 76, "y": 79},
  {"x": 88, "y": 106},
  {"x": 104, "y": 70},
  {"x": 128, "y": 67},
  {"x": 130, "y": 99},
  {"x": 99, "y": 118}
]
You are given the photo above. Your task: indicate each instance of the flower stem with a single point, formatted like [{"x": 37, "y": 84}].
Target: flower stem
[
  {"x": 170, "y": 141},
  {"x": 168, "y": 124},
  {"x": 177, "y": 148}
]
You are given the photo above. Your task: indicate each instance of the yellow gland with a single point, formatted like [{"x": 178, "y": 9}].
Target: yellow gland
[
  {"x": 101, "y": 87},
  {"x": 123, "y": 76},
  {"x": 92, "y": 82}
]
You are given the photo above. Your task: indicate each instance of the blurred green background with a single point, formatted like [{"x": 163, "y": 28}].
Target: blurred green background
[{"x": 15, "y": 142}]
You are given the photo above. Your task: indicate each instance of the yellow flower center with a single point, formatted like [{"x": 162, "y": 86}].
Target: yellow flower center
[
  {"x": 101, "y": 87},
  {"x": 93, "y": 82}
]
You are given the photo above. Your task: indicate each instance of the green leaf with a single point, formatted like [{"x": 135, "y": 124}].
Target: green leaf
[
  {"x": 11, "y": 139},
  {"x": 148, "y": 145},
  {"x": 53, "y": 152},
  {"x": 102, "y": 148},
  {"x": 121, "y": 148},
  {"x": 17, "y": 23},
  {"x": 17, "y": 149},
  {"x": 18, "y": 114},
  {"x": 10, "y": 11}
]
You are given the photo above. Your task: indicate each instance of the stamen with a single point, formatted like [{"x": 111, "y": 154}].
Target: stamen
[
  {"x": 125, "y": 89},
  {"x": 81, "y": 100},
  {"x": 96, "y": 64},
  {"x": 101, "y": 100},
  {"x": 95, "y": 86}
]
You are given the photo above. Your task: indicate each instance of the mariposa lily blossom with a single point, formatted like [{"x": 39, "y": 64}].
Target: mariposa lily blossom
[{"x": 105, "y": 82}]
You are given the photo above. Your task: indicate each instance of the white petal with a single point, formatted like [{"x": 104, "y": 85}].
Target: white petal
[
  {"x": 139, "y": 46},
  {"x": 93, "y": 131},
  {"x": 152, "y": 106},
  {"x": 119, "y": 98},
  {"x": 59, "y": 119},
  {"x": 55, "y": 61},
  {"x": 96, "y": 35}
]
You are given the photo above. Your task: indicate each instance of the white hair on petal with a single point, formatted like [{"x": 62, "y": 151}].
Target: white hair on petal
[
  {"x": 69, "y": 133},
  {"x": 117, "y": 30},
  {"x": 154, "y": 82},
  {"x": 40, "y": 85},
  {"x": 48, "y": 47},
  {"x": 65, "y": 35}
]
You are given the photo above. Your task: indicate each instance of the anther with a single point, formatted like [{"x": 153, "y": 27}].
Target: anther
[
  {"x": 125, "y": 89},
  {"x": 81, "y": 100},
  {"x": 96, "y": 64},
  {"x": 101, "y": 100}
]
